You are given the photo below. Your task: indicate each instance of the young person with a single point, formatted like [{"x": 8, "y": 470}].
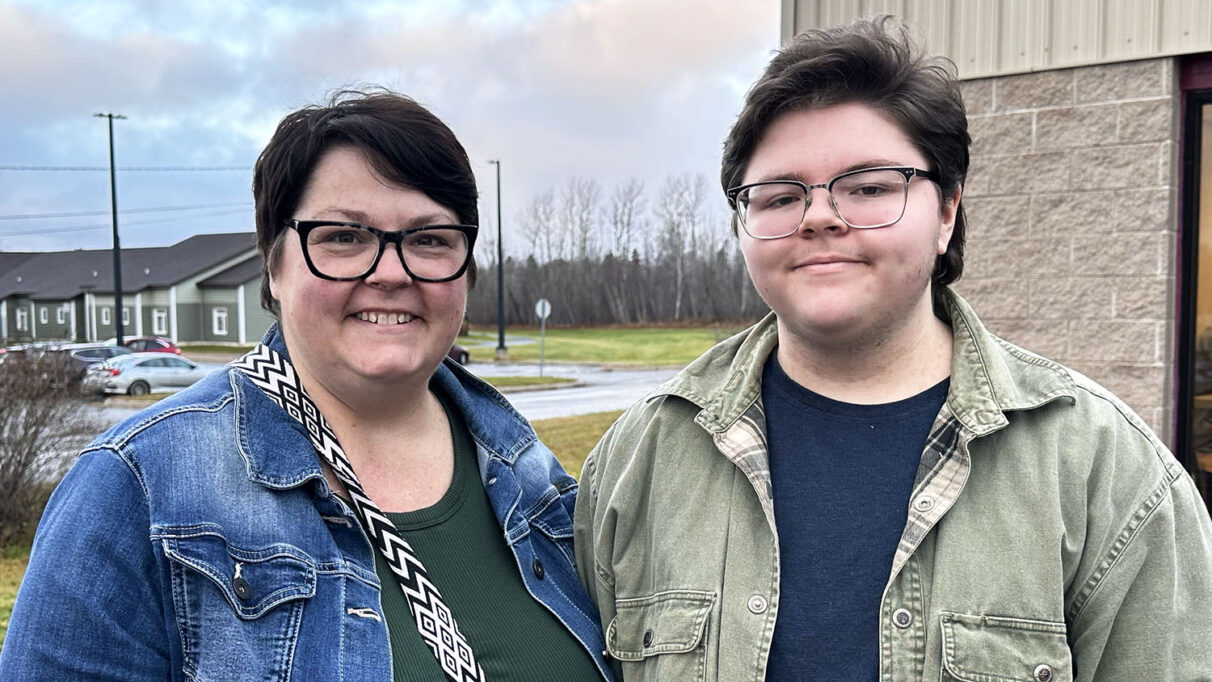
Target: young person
[{"x": 868, "y": 483}]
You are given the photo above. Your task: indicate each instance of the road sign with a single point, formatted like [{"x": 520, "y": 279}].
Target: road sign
[{"x": 542, "y": 308}]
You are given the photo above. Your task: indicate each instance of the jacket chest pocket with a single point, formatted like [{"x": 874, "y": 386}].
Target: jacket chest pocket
[
  {"x": 997, "y": 649},
  {"x": 662, "y": 636},
  {"x": 238, "y": 610}
]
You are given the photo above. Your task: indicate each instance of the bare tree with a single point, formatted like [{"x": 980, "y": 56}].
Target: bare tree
[
  {"x": 538, "y": 222},
  {"x": 578, "y": 210},
  {"x": 42, "y": 425},
  {"x": 625, "y": 215}
]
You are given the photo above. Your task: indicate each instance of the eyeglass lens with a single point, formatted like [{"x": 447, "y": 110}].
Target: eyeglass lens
[
  {"x": 872, "y": 198},
  {"x": 347, "y": 251}
]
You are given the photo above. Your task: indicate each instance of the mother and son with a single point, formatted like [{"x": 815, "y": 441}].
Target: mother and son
[{"x": 867, "y": 484}]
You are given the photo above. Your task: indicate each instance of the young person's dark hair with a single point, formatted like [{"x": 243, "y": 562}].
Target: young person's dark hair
[
  {"x": 867, "y": 62},
  {"x": 403, "y": 141}
]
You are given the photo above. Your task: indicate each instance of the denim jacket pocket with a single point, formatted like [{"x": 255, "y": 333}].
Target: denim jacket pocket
[
  {"x": 550, "y": 516},
  {"x": 238, "y": 610},
  {"x": 1000, "y": 649},
  {"x": 662, "y": 636}
]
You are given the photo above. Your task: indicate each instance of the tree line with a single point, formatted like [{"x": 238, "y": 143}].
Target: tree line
[{"x": 620, "y": 258}]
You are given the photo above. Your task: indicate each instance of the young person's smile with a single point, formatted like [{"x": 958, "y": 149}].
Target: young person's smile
[{"x": 829, "y": 280}]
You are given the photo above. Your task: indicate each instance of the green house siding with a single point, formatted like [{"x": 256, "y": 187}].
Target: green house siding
[
  {"x": 256, "y": 318},
  {"x": 189, "y": 321}
]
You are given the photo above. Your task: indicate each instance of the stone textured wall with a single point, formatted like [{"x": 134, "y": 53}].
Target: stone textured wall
[{"x": 1072, "y": 214}]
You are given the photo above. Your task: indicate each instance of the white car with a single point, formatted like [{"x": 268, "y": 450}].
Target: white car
[{"x": 143, "y": 373}]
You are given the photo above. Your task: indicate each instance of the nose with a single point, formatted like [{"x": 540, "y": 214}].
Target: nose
[
  {"x": 389, "y": 272},
  {"x": 821, "y": 216}
]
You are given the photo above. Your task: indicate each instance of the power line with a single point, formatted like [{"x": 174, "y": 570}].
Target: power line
[
  {"x": 106, "y": 226},
  {"x": 81, "y": 214},
  {"x": 157, "y": 169}
]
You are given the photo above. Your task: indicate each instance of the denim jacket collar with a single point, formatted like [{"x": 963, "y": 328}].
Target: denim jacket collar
[
  {"x": 989, "y": 376},
  {"x": 498, "y": 429}
]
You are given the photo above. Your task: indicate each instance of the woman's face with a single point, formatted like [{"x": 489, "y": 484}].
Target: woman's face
[{"x": 384, "y": 329}]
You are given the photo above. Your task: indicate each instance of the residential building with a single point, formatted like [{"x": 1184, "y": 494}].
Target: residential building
[{"x": 203, "y": 289}]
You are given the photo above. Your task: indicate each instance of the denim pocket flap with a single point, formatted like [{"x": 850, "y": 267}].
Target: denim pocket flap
[
  {"x": 1000, "y": 649},
  {"x": 549, "y": 515},
  {"x": 665, "y": 623},
  {"x": 253, "y": 581}
]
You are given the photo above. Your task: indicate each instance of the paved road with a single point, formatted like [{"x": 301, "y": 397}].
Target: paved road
[{"x": 602, "y": 390}]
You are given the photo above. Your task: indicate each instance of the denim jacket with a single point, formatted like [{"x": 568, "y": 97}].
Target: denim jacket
[
  {"x": 1051, "y": 536},
  {"x": 133, "y": 566}
]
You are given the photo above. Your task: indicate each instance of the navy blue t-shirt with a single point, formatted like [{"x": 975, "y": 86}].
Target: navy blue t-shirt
[{"x": 842, "y": 476}]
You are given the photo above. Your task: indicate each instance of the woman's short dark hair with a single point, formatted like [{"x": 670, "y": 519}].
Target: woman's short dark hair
[
  {"x": 866, "y": 62},
  {"x": 402, "y": 140}
]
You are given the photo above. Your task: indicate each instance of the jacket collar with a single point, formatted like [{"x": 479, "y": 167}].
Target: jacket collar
[
  {"x": 279, "y": 454},
  {"x": 989, "y": 376}
]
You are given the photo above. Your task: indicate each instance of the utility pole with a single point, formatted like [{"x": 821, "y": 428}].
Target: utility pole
[
  {"x": 113, "y": 202},
  {"x": 502, "y": 352}
]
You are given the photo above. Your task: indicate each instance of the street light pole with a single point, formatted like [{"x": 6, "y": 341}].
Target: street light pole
[
  {"x": 113, "y": 202},
  {"x": 502, "y": 352}
]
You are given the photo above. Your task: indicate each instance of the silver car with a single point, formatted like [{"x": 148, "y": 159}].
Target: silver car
[{"x": 143, "y": 373}]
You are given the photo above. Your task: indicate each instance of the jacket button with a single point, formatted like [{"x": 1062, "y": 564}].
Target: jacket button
[
  {"x": 537, "y": 567},
  {"x": 1043, "y": 672},
  {"x": 240, "y": 585},
  {"x": 902, "y": 618},
  {"x": 757, "y": 604},
  {"x": 648, "y": 638},
  {"x": 924, "y": 503}
]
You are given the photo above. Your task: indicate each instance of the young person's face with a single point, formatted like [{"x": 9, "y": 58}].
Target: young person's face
[{"x": 829, "y": 281}]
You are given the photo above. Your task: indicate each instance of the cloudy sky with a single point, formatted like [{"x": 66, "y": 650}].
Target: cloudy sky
[{"x": 603, "y": 89}]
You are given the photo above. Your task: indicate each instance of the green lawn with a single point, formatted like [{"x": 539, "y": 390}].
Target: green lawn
[
  {"x": 629, "y": 345},
  {"x": 570, "y": 438}
]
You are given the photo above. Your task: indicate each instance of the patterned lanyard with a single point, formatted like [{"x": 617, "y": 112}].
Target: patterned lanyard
[{"x": 274, "y": 375}]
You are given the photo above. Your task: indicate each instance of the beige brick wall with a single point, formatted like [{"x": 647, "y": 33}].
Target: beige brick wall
[{"x": 1071, "y": 202}]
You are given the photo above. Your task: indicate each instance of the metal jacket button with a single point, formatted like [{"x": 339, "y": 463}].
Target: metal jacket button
[
  {"x": 1043, "y": 672},
  {"x": 648, "y": 638},
  {"x": 902, "y": 618},
  {"x": 240, "y": 585},
  {"x": 924, "y": 503},
  {"x": 757, "y": 604},
  {"x": 537, "y": 566}
]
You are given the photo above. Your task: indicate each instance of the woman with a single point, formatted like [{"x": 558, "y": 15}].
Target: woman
[{"x": 339, "y": 503}]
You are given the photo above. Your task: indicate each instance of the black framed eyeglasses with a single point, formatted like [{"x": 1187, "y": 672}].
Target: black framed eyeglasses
[
  {"x": 863, "y": 199},
  {"x": 344, "y": 251}
]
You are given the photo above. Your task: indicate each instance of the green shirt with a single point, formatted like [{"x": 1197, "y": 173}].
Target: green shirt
[{"x": 461, "y": 544}]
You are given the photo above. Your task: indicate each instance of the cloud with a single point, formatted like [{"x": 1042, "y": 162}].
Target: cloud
[{"x": 594, "y": 88}]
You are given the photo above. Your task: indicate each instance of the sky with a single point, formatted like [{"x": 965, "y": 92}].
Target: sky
[{"x": 601, "y": 89}]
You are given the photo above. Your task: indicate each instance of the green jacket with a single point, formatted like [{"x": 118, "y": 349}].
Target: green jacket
[{"x": 1051, "y": 535}]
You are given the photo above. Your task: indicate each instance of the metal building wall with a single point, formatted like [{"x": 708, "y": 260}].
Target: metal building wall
[{"x": 999, "y": 37}]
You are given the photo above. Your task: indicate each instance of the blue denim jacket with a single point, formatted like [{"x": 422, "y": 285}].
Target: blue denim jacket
[{"x": 131, "y": 574}]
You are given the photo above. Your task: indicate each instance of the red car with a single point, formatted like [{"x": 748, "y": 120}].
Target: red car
[{"x": 151, "y": 344}]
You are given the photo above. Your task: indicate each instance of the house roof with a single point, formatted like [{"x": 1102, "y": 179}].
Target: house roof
[
  {"x": 240, "y": 273},
  {"x": 67, "y": 274}
]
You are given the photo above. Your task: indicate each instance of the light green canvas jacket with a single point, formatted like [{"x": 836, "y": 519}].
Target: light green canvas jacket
[{"x": 1051, "y": 536}]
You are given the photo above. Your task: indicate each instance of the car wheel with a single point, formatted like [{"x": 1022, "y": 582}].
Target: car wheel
[
  {"x": 462, "y": 358},
  {"x": 138, "y": 388}
]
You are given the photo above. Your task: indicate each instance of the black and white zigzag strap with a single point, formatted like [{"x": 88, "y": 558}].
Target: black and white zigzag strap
[{"x": 274, "y": 375}]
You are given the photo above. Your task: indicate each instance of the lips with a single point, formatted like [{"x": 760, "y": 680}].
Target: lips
[
  {"x": 384, "y": 318},
  {"x": 828, "y": 260}
]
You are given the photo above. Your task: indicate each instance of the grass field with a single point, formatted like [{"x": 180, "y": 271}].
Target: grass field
[
  {"x": 570, "y": 438},
  {"x": 512, "y": 382},
  {"x": 629, "y": 345}
]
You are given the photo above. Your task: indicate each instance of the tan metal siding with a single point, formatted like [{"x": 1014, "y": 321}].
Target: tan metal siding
[{"x": 999, "y": 37}]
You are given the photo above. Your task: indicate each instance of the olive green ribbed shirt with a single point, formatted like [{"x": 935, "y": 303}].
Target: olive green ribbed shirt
[{"x": 460, "y": 542}]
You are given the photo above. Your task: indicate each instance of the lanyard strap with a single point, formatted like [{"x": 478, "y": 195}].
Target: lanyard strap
[{"x": 273, "y": 374}]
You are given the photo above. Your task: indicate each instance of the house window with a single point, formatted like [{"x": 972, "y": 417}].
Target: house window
[
  {"x": 126, "y": 316},
  {"x": 105, "y": 316},
  {"x": 159, "y": 321},
  {"x": 22, "y": 320},
  {"x": 219, "y": 321},
  {"x": 61, "y": 314},
  {"x": 42, "y": 315}
]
